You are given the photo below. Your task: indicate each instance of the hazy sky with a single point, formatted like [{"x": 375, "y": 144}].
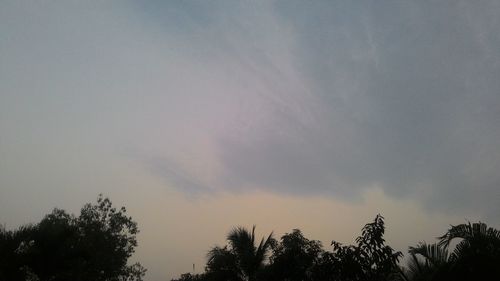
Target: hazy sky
[{"x": 202, "y": 115}]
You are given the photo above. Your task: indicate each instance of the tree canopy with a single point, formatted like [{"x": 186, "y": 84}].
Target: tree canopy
[
  {"x": 296, "y": 258},
  {"x": 242, "y": 259},
  {"x": 95, "y": 245},
  {"x": 476, "y": 256}
]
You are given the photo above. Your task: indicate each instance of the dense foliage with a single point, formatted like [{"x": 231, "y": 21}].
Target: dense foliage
[
  {"x": 476, "y": 256},
  {"x": 296, "y": 258},
  {"x": 96, "y": 245},
  {"x": 241, "y": 260}
]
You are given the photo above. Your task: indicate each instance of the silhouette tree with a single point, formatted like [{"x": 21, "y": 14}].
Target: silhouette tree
[
  {"x": 242, "y": 260},
  {"x": 294, "y": 257},
  {"x": 95, "y": 245},
  {"x": 109, "y": 241},
  {"x": 54, "y": 248},
  {"x": 475, "y": 257},
  {"x": 298, "y": 258},
  {"x": 427, "y": 262},
  {"x": 223, "y": 265},
  {"x": 370, "y": 260},
  {"x": 250, "y": 257},
  {"x": 13, "y": 245}
]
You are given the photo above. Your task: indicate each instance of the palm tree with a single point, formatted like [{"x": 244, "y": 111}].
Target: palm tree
[
  {"x": 222, "y": 265},
  {"x": 250, "y": 258},
  {"x": 427, "y": 262},
  {"x": 477, "y": 255},
  {"x": 472, "y": 235}
]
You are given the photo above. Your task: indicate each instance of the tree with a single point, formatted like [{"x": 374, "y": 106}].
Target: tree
[
  {"x": 475, "y": 257},
  {"x": 242, "y": 260},
  {"x": 294, "y": 257},
  {"x": 427, "y": 262},
  {"x": 370, "y": 260},
  {"x": 54, "y": 248},
  {"x": 109, "y": 241},
  {"x": 13, "y": 244},
  {"x": 96, "y": 245},
  {"x": 297, "y": 258},
  {"x": 223, "y": 265},
  {"x": 250, "y": 257}
]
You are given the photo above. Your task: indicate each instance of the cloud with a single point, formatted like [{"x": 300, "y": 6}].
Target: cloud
[
  {"x": 309, "y": 99},
  {"x": 332, "y": 98}
]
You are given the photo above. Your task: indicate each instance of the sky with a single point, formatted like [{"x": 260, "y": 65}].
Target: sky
[{"x": 202, "y": 115}]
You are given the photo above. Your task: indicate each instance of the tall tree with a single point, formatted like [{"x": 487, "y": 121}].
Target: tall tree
[
  {"x": 243, "y": 258},
  {"x": 477, "y": 254},
  {"x": 294, "y": 257},
  {"x": 250, "y": 257},
  {"x": 370, "y": 259}
]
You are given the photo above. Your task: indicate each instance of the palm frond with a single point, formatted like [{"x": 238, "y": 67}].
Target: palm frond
[
  {"x": 415, "y": 268},
  {"x": 433, "y": 253},
  {"x": 263, "y": 248},
  {"x": 460, "y": 249},
  {"x": 469, "y": 231},
  {"x": 241, "y": 240},
  {"x": 463, "y": 231},
  {"x": 494, "y": 233}
]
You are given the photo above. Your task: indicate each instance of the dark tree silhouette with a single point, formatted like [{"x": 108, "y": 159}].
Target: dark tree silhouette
[
  {"x": 427, "y": 262},
  {"x": 110, "y": 240},
  {"x": 294, "y": 257},
  {"x": 96, "y": 245},
  {"x": 370, "y": 260},
  {"x": 298, "y": 258},
  {"x": 242, "y": 260},
  {"x": 13, "y": 244},
  {"x": 475, "y": 257},
  {"x": 223, "y": 265}
]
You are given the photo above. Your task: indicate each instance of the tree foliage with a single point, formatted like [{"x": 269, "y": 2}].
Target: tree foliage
[
  {"x": 296, "y": 258},
  {"x": 427, "y": 262},
  {"x": 370, "y": 259},
  {"x": 476, "y": 256},
  {"x": 242, "y": 259},
  {"x": 96, "y": 245},
  {"x": 223, "y": 265}
]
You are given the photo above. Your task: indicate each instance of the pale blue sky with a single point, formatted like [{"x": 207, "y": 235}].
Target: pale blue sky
[{"x": 177, "y": 108}]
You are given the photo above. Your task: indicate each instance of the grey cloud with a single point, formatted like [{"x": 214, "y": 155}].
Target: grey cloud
[
  {"x": 172, "y": 173},
  {"x": 336, "y": 97},
  {"x": 405, "y": 97}
]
